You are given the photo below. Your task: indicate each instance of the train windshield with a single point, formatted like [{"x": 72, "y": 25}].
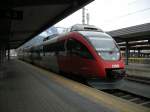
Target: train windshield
[
  {"x": 106, "y": 48},
  {"x": 104, "y": 45}
]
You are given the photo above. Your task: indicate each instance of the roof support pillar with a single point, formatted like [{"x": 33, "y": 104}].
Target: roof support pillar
[
  {"x": 138, "y": 53},
  {"x": 2, "y": 53},
  {"x": 127, "y": 53},
  {"x": 8, "y": 53}
]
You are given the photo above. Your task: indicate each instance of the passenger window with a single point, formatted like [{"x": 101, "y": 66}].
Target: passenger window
[{"x": 60, "y": 46}]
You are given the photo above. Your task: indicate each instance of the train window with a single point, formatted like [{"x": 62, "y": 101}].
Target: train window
[
  {"x": 75, "y": 47},
  {"x": 84, "y": 52},
  {"x": 60, "y": 46},
  {"x": 54, "y": 48},
  {"x": 70, "y": 44},
  {"x": 49, "y": 48}
]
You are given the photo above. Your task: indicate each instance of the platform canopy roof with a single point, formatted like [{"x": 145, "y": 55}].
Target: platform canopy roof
[
  {"x": 21, "y": 20},
  {"x": 139, "y": 32}
]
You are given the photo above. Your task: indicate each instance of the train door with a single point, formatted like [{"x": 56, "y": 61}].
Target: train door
[
  {"x": 81, "y": 60},
  {"x": 87, "y": 61},
  {"x": 71, "y": 61},
  {"x": 61, "y": 56}
]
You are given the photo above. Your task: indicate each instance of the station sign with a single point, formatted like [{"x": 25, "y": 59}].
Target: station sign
[{"x": 11, "y": 14}]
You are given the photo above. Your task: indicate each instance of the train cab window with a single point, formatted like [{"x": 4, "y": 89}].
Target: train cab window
[
  {"x": 84, "y": 52},
  {"x": 76, "y": 48},
  {"x": 70, "y": 45}
]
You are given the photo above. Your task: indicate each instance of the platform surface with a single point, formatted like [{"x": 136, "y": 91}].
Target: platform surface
[{"x": 25, "y": 88}]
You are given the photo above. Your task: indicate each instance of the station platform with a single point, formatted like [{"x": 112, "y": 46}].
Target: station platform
[
  {"x": 26, "y": 88},
  {"x": 141, "y": 70}
]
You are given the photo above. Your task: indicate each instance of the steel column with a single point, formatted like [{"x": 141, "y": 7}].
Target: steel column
[
  {"x": 138, "y": 53},
  {"x": 127, "y": 53}
]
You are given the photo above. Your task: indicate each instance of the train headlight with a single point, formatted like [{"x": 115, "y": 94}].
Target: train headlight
[
  {"x": 99, "y": 54},
  {"x": 118, "y": 54}
]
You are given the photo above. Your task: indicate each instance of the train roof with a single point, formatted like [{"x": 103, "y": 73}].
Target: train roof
[
  {"x": 94, "y": 34},
  {"x": 85, "y": 30},
  {"x": 86, "y": 34},
  {"x": 85, "y": 27}
]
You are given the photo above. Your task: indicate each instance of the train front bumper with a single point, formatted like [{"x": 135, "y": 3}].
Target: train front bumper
[{"x": 115, "y": 74}]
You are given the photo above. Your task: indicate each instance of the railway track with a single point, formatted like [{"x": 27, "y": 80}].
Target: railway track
[
  {"x": 138, "y": 79},
  {"x": 140, "y": 100},
  {"x": 127, "y": 95}
]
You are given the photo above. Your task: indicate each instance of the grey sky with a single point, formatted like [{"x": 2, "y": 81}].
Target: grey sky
[{"x": 112, "y": 14}]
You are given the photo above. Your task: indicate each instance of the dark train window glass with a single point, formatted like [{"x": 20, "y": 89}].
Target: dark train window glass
[
  {"x": 85, "y": 52},
  {"x": 61, "y": 46},
  {"x": 49, "y": 48},
  {"x": 54, "y": 48},
  {"x": 75, "y": 47},
  {"x": 70, "y": 45}
]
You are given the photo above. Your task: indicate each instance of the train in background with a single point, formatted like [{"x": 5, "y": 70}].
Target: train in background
[{"x": 85, "y": 52}]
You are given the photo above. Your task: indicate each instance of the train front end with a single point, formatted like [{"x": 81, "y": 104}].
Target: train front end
[
  {"x": 111, "y": 68},
  {"x": 109, "y": 57}
]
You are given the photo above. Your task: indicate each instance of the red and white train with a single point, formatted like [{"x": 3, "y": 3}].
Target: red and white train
[{"x": 85, "y": 51}]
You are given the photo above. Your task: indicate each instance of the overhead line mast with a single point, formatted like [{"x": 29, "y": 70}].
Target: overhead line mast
[{"x": 85, "y": 15}]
